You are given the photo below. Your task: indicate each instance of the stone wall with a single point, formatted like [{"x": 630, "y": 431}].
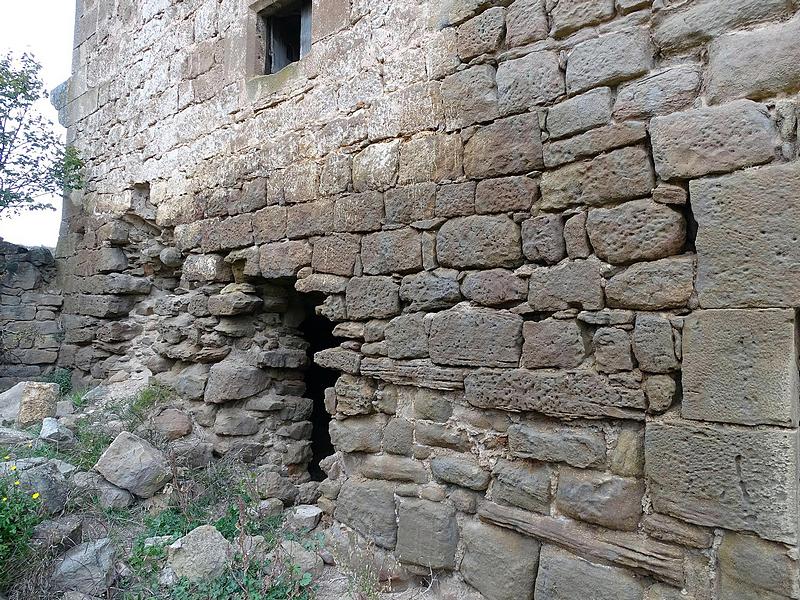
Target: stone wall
[
  {"x": 558, "y": 239},
  {"x": 30, "y": 306}
]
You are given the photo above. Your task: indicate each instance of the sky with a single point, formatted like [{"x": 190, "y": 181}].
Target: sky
[{"x": 43, "y": 28}]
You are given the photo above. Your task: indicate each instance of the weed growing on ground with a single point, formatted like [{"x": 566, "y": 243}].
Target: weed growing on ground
[
  {"x": 63, "y": 377},
  {"x": 20, "y": 512}
]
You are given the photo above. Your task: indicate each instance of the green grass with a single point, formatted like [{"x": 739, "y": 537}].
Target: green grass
[{"x": 63, "y": 377}]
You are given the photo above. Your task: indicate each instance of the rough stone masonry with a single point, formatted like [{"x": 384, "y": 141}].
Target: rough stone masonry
[{"x": 559, "y": 242}]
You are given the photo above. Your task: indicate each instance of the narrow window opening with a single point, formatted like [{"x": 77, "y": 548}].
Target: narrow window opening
[
  {"x": 318, "y": 332},
  {"x": 284, "y": 34}
]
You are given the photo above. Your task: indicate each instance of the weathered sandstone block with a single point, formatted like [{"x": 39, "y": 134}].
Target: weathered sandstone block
[
  {"x": 580, "y": 113},
  {"x": 369, "y": 508},
  {"x": 134, "y": 465},
  {"x": 521, "y": 484},
  {"x": 426, "y": 291},
  {"x": 724, "y": 476},
  {"x": 653, "y": 344},
  {"x": 505, "y": 194},
  {"x": 357, "y": 434},
  {"x": 553, "y": 343},
  {"x": 284, "y": 259},
  {"x": 372, "y": 298},
  {"x": 744, "y": 254},
  {"x": 206, "y": 267},
  {"x": 508, "y": 146},
  {"x": 712, "y": 140},
  {"x": 460, "y": 470},
  {"x": 532, "y": 80},
  {"x": 571, "y": 284},
  {"x": 484, "y": 546},
  {"x": 612, "y": 350},
  {"x": 470, "y": 96},
  {"x": 543, "y": 239},
  {"x": 396, "y": 251},
  {"x": 657, "y": 285},
  {"x": 740, "y": 366},
  {"x": 636, "y": 231},
  {"x": 479, "y": 241},
  {"x": 335, "y": 254},
  {"x": 526, "y": 21},
  {"x": 233, "y": 379},
  {"x": 575, "y": 14},
  {"x": 577, "y": 446},
  {"x": 752, "y": 568},
  {"x": 564, "y": 576},
  {"x": 470, "y": 336},
  {"x": 481, "y": 34},
  {"x": 495, "y": 287},
  {"x": 607, "y": 500},
  {"x": 659, "y": 93},
  {"x": 406, "y": 336},
  {"x": 609, "y": 59},
  {"x": 427, "y": 534}
]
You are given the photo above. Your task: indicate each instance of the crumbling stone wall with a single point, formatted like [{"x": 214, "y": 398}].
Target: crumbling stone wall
[
  {"x": 30, "y": 306},
  {"x": 558, "y": 238}
]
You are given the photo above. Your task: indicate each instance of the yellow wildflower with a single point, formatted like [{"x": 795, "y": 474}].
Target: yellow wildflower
[
  {"x": 13, "y": 467},
  {"x": 16, "y": 482},
  {"x": 7, "y": 457},
  {"x": 35, "y": 496},
  {"x": 5, "y": 498}
]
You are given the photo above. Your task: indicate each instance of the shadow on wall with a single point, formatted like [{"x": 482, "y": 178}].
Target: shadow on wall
[{"x": 318, "y": 332}]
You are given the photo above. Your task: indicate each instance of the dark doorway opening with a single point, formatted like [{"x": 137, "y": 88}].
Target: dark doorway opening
[{"x": 318, "y": 332}]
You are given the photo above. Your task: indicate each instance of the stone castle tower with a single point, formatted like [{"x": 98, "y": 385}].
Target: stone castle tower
[{"x": 519, "y": 277}]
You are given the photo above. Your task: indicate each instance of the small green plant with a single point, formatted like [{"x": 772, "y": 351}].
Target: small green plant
[
  {"x": 78, "y": 399},
  {"x": 62, "y": 377},
  {"x": 20, "y": 512}
]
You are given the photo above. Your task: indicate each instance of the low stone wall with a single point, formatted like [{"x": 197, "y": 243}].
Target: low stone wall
[{"x": 30, "y": 306}]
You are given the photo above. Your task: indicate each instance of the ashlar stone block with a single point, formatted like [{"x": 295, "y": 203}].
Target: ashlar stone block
[
  {"x": 523, "y": 484},
  {"x": 564, "y": 576},
  {"x": 747, "y": 222},
  {"x": 636, "y": 231},
  {"x": 526, "y": 21},
  {"x": 600, "y": 498},
  {"x": 580, "y": 113},
  {"x": 481, "y": 34},
  {"x": 577, "y": 446},
  {"x": 475, "y": 336},
  {"x": 710, "y": 140},
  {"x": 369, "y": 508},
  {"x": 737, "y": 478},
  {"x": 571, "y": 15},
  {"x": 573, "y": 284},
  {"x": 755, "y": 64},
  {"x": 509, "y": 146},
  {"x": 656, "y": 285},
  {"x": 479, "y": 241},
  {"x": 396, "y": 251},
  {"x": 372, "y": 298},
  {"x": 533, "y": 80},
  {"x": 470, "y": 96},
  {"x": 609, "y": 59},
  {"x": 427, "y": 534},
  {"x": 553, "y": 343},
  {"x": 484, "y": 547},
  {"x": 740, "y": 366},
  {"x": 659, "y": 93},
  {"x": 754, "y": 569}
]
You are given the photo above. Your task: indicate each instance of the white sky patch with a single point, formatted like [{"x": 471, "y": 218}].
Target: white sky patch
[{"x": 43, "y": 28}]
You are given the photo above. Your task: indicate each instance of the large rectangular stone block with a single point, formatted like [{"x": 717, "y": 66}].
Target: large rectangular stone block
[
  {"x": 554, "y": 393},
  {"x": 479, "y": 241},
  {"x": 609, "y": 59},
  {"x": 508, "y": 146},
  {"x": 573, "y": 445},
  {"x": 659, "y": 93},
  {"x": 481, "y": 337},
  {"x": 747, "y": 224},
  {"x": 755, "y": 64},
  {"x": 740, "y": 366},
  {"x": 427, "y": 534},
  {"x": 396, "y": 251},
  {"x": 369, "y": 508},
  {"x": 532, "y": 80},
  {"x": 716, "y": 139},
  {"x": 725, "y": 476}
]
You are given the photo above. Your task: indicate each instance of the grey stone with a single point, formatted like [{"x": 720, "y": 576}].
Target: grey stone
[
  {"x": 394, "y": 468},
  {"x": 577, "y": 446},
  {"x": 626, "y": 458},
  {"x": 398, "y": 251},
  {"x": 504, "y": 194},
  {"x": 755, "y": 64},
  {"x": 661, "y": 284},
  {"x": 751, "y": 569},
  {"x": 305, "y": 517},
  {"x": 49, "y": 482},
  {"x": 745, "y": 258},
  {"x": 470, "y": 96},
  {"x": 495, "y": 287},
  {"x": 572, "y": 284},
  {"x": 543, "y": 239},
  {"x": 473, "y": 336},
  {"x": 481, "y": 34},
  {"x": 406, "y": 336},
  {"x": 612, "y": 350},
  {"x": 580, "y": 113},
  {"x": 28, "y": 403},
  {"x": 734, "y": 477},
  {"x": 509, "y": 146},
  {"x": 58, "y": 534},
  {"x": 271, "y": 485},
  {"x": 622, "y": 174},
  {"x": 284, "y": 259},
  {"x": 432, "y": 405},
  {"x": 688, "y": 26},
  {"x": 564, "y": 576},
  {"x": 659, "y": 93},
  {"x": 578, "y": 393},
  {"x": 375, "y": 167},
  {"x": 369, "y": 508},
  {"x": 600, "y": 498},
  {"x": 357, "y": 434},
  {"x": 460, "y": 470},
  {"x": 660, "y": 391},
  {"x": 635, "y": 231},
  {"x": 172, "y": 423},
  {"x": 372, "y": 298},
  {"x": 740, "y": 367},
  {"x": 484, "y": 547},
  {"x": 398, "y": 437},
  {"x": 522, "y": 484},
  {"x": 575, "y": 239},
  {"x": 236, "y": 303},
  {"x": 479, "y": 242},
  {"x": 206, "y": 268},
  {"x": 526, "y": 21},
  {"x": 426, "y": 291},
  {"x": 533, "y": 80},
  {"x": 710, "y": 140},
  {"x": 552, "y": 343},
  {"x": 427, "y": 534},
  {"x": 593, "y": 142},
  {"x": 671, "y": 530},
  {"x": 134, "y": 465},
  {"x": 236, "y": 422},
  {"x": 653, "y": 344},
  {"x": 233, "y": 379},
  {"x": 609, "y": 59},
  {"x": 87, "y": 568},
  {"x": 203, "y": 553}
]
